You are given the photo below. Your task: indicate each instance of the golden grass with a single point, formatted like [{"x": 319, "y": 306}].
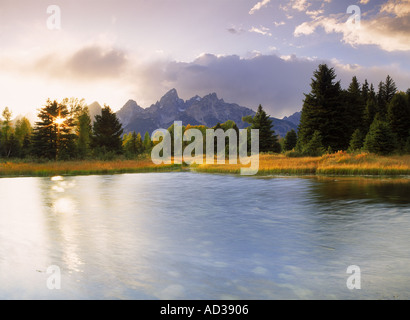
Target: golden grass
[
  {"x": 340, "y": 163},
  {"x": 86, "y": 167}
]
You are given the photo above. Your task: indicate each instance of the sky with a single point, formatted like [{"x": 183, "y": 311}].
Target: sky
[{"x": 249, "y": 52}]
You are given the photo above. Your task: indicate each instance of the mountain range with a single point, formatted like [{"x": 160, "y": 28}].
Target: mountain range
[{"x": 207, "y": 111}]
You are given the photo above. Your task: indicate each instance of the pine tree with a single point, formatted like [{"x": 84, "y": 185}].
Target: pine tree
[
  {"x": 324, "y": 112},
  {"x": 130, "y": 144},
  {"x": 398, "y": 116},
  {"x": 355, "y": 106},
  {"x": 356, "y": 142},
  {"x": 290, "y": 140},
  {"x": 365, "y": 90},
  {"x": 268, "y": 140},
  {"x": 107, "y": 132},
  {"x": 53, "y": 136},
  {"x": 380, "y": 139},
  {"x": 386, "y": 92},
  {"x": 23, "y": 132},
  {"x": 84, "y": 133},
  {"x": 6, "y": 134},
  {"x": 314, "y": 148},
  {"x": 369, "y": 113},
  {"x": 147, "y": 142}
]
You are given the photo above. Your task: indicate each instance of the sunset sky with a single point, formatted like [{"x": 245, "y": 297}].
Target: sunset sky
[{"x": 247, "y": 51}]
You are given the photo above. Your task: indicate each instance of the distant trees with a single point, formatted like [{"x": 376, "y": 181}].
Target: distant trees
[
  {"x": 380, "y": 139},
  {"x": 290, "y": 140},
  {"x": 84, "y": 133},
  {"x": 323, "y": 111},
  {"x": 107, "y": 132},
  {"x": 132, "y": 144},
  {"x": 268, "y": 140},
  {"x": 53, "y": 136},
  {"x": 354, "y": 119}
]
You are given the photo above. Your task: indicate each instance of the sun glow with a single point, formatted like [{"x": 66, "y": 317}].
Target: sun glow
[{"x": 59, "y": 121}]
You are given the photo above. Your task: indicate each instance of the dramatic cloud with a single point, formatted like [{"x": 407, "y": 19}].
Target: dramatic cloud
[
  {"x": 278, "y": 83},
  {"x": 389, "y": 29},
  {"x": 259, "y": 6}
]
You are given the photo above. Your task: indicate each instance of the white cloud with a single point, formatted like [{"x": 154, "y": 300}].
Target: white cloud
[
  {"x": 300, "y": 5},
  {"x": 261, "y": 30},
  {"x": 400, "y": 8},
  {"x": 389, "y": 29},
  {"x": 259, "y": 6}
]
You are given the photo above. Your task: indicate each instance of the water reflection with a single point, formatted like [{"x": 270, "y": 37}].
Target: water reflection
[{"x": 195, "y": 236}]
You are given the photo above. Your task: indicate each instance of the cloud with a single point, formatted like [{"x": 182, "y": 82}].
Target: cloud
[
  {"x": 235, "y": 30},
  {"x": 277, "y": 24},
  {"x": 389, "y": 29},
  {"x": 300, "y": 5},
  {"x": 95, "y": 61},
  {"x": 399, "y": 8},
  {"x": 90, "y": 62},
  {"x": 278, "y": 83},
  {"x": 261, "y": 30},
  {"x": 268, "y": 80},
  {"x": 259, "y": 6}
]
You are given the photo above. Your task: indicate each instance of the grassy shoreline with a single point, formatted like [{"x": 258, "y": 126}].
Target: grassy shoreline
[
  {"x": 76, "y": 168},
  {"x": 338, "y": 164}
]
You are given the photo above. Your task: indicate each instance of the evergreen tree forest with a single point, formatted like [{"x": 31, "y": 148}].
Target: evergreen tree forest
[{"x": 355, "y": 119}]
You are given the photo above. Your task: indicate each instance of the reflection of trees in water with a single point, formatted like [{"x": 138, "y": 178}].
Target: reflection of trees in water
[{"x": 378, "y": 190}]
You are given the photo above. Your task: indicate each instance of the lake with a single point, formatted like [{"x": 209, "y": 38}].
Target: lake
[{"x": 200, "y": 236}]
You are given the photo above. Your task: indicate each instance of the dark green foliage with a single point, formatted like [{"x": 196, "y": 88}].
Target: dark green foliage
[
  {"x": 387, "y": 90},
  {"x": 356, "y": 142},
  {"x": 268, "y": 140},
  {"x": 365, "y": 91},
  {"x": 290, "y": 140},
  {"x": 355, "y": 107},
  {"x": 323, "y": 111},
  {"x": 107, "y": 132},
  {"x": 314, "y": 148},
  {"x": 132, "y": 144},
  {"x": 54, "y": 140},
  {"x": 380, "y": 139},
  {"x": 147, "y": 143},
  {"x": 84, "y": 133},
  {"x": 369, "y": 113},
  {"x": 398, "y": 116}
]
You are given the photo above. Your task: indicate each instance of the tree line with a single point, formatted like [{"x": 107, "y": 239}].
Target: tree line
[
  {"x": 64, "y": 131},
  {"x": 355, "y": 119}
]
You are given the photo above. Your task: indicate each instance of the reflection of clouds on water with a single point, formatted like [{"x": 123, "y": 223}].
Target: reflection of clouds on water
[{"x": 172, "y": 292}]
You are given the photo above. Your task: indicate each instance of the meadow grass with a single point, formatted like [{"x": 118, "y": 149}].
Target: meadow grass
[
  {"x": 340, "y": 164},
  {"x": 86, "y": 167}
]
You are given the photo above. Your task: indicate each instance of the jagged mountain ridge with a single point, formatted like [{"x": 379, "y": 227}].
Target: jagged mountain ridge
[{"x": 207, "y": 110}]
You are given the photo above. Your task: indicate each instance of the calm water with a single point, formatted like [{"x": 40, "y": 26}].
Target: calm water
[{"x": 198, "y": 236}]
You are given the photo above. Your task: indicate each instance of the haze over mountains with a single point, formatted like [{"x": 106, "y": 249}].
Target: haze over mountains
[{"x": 207, "y": 111}]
